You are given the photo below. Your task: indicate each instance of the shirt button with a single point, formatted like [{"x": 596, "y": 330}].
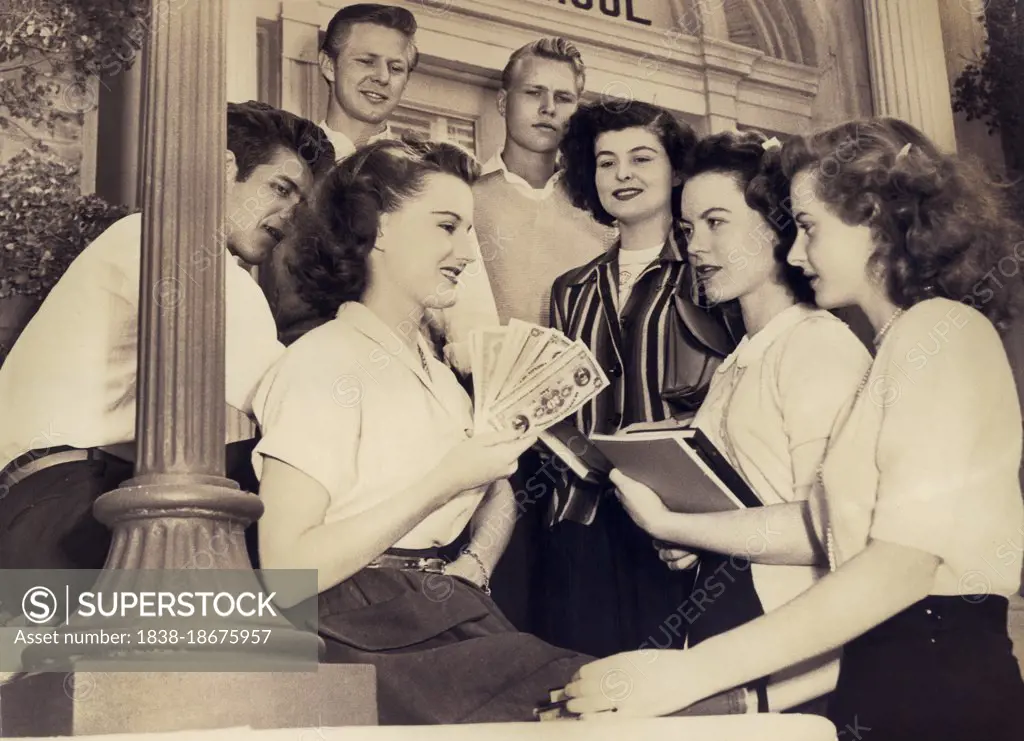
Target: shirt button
[
  {"x": 928, "y": 611},
  {"x": 616, "y": 370},
  {"x": 615, "y": 420}
]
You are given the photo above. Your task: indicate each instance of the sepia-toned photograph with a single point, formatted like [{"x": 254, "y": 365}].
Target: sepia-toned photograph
[{"x": 512, "y": 369}]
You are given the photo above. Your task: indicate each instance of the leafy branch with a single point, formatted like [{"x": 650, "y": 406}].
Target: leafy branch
[
  {"x": 47, "y": 45},
  {"x": 991, "y": 88}
]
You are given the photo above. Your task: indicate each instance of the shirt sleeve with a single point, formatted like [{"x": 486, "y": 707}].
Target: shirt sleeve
[
  {"x": 251, "y": 346},
  {"x": 821, "y": 365},
  {"x": 309, "y": 414},
  {"x": 945, "y": 438}
]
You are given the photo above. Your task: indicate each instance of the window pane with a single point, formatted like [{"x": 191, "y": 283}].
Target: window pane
[{"x": 459, "y": 131}]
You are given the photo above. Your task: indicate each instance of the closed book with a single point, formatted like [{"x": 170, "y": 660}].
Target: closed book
[
  {"x": 577, "y": 451},
  {"x": 682, "y": 466}
]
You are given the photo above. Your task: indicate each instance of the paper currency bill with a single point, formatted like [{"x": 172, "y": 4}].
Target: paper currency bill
[{"x": 572, "y": 381}]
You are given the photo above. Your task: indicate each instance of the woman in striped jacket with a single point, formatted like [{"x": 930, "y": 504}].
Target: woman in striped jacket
[{"x": 601, "y": 586}]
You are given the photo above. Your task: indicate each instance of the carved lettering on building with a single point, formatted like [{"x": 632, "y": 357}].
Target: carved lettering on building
[{"x": 609, "y": 8}]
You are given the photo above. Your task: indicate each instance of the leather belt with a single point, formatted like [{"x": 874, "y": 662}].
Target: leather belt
[
  {"x": 40, "y": 460},
  {"x": 408, "y": 563}
]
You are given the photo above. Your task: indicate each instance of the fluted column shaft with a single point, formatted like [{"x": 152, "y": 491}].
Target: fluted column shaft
[
  {"x": 179, "y": 506},
  {"x": 181, "y": 414},
  {"x": 908, "y": 66}
]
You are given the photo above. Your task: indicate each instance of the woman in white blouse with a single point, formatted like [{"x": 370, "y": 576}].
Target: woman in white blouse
[
  {"x": 770, "y": 407},
  {"x": 368, "y": 467},
  {"x": 918, "y": 503}
]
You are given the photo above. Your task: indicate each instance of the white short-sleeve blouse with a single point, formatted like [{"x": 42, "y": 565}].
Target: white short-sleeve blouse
[
  {"x": 928, "y": 455},
  {"x": 770, "y": 408},
  {"x": 350, "y": 405}
]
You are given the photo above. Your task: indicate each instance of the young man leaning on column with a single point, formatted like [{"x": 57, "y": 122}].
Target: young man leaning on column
[{"x": 68, "y": 388}]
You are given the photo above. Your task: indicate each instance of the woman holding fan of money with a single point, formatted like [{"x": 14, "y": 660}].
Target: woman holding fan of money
[
  {"x": 771, "y": 404},
  {"x": 601, "y": 587},
  {"x": 368, "y": 466},
  {"x": 918, "y": 494}
]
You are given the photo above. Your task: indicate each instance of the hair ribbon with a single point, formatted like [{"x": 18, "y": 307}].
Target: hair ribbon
[
  {"x": 903, "y": 152},
  {"x": 772, "y": 143}
]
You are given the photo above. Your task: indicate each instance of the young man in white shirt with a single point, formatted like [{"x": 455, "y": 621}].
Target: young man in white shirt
[
  {"x": 68, "y": 387},
  {"x": 368, "y": 54},
  {"x": 529, "y": 232}
]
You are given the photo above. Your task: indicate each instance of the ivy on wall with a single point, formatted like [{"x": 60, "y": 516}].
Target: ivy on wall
[
  {"x": 991, "y": 88},
  {"x": 49, "y": 52},
  {"x": 51, "y": 55}
]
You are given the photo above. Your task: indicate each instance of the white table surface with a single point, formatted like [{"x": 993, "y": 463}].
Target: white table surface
[{"x": 768, "y": 727}]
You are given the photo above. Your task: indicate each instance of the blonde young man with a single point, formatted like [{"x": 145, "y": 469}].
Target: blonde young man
[{"x": 368, "y": 54}]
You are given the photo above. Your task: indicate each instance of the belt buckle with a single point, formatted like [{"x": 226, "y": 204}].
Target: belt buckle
[{"x": 430, "y": 565}]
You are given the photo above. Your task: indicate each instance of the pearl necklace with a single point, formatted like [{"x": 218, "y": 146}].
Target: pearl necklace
[
  {"x": 423, "y": 360},
  {"x": 829, "y": 538},
  {"x": 885, "y": 327}
]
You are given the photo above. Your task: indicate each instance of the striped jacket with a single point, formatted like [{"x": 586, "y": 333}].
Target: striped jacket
[{"x": 630, "y": 346}]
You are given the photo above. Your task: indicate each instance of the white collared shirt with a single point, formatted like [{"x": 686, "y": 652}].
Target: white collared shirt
[
  {"x": 928, "y": 455},
  {"x": 770, "y": 408},
  {"x": 71, "y": 378},
  {"x": 344, "y": 147},
  {"x": 497, "y": 164},
  {"x": 351, "y": 406}
]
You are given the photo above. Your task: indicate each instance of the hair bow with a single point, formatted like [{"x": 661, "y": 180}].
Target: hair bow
[{"x": 772, "y": 143}]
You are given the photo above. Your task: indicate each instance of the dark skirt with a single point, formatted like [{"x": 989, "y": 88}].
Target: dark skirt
[
  {"x": 443, "y": 650},
  {"x": 601, "y": 589},
  {"x": 941, "y": 670}
]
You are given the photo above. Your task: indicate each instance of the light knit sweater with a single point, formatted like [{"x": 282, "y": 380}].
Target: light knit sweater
[{"x": 528, "y": 242}]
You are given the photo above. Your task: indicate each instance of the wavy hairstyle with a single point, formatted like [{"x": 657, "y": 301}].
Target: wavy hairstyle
[
  {"x": 758, "y": 173},
  {"x": 331, "y": 265},
  {"x": 256, "y": 131},
  {"x": 942, "y": 227},
  {"x": 610, "y": 114}
]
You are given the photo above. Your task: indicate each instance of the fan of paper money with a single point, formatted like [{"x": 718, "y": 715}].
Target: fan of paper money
[{"x": 529, "y": 377}]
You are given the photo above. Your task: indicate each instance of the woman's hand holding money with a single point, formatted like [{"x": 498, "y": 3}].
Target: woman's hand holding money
[{"x": 483, "y": 458}]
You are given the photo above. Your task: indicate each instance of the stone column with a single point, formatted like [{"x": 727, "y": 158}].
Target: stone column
[
  {"x": 179, "y": 504},
  {"x": 907, "y": 60},
  {"x": 180, "y": 422}
]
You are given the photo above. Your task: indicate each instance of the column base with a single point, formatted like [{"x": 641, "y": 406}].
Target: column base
[{"x": 87, "y": 701}]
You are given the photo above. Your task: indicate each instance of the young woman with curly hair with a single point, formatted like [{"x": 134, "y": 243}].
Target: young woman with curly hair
[
  {"x": 918, "y": 502},
  {"x": 602, "y": 586},
  {"x": 368, "y": 468},
  {"x": 770, "y": 407}
]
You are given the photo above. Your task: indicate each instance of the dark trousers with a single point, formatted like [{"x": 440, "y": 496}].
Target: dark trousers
[
  {"x": 941, "y": 670},
  {"x": 46, "y": 519}
]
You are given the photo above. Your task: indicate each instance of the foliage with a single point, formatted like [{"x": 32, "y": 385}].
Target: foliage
[
  {"x": 44, "y": 222},
  {"x": 50, "y": 49},
  {"x": 991, "y": 88}
]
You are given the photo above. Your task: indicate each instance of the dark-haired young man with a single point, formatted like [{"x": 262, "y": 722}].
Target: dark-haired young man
[{"x": 68, "y": 387}]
